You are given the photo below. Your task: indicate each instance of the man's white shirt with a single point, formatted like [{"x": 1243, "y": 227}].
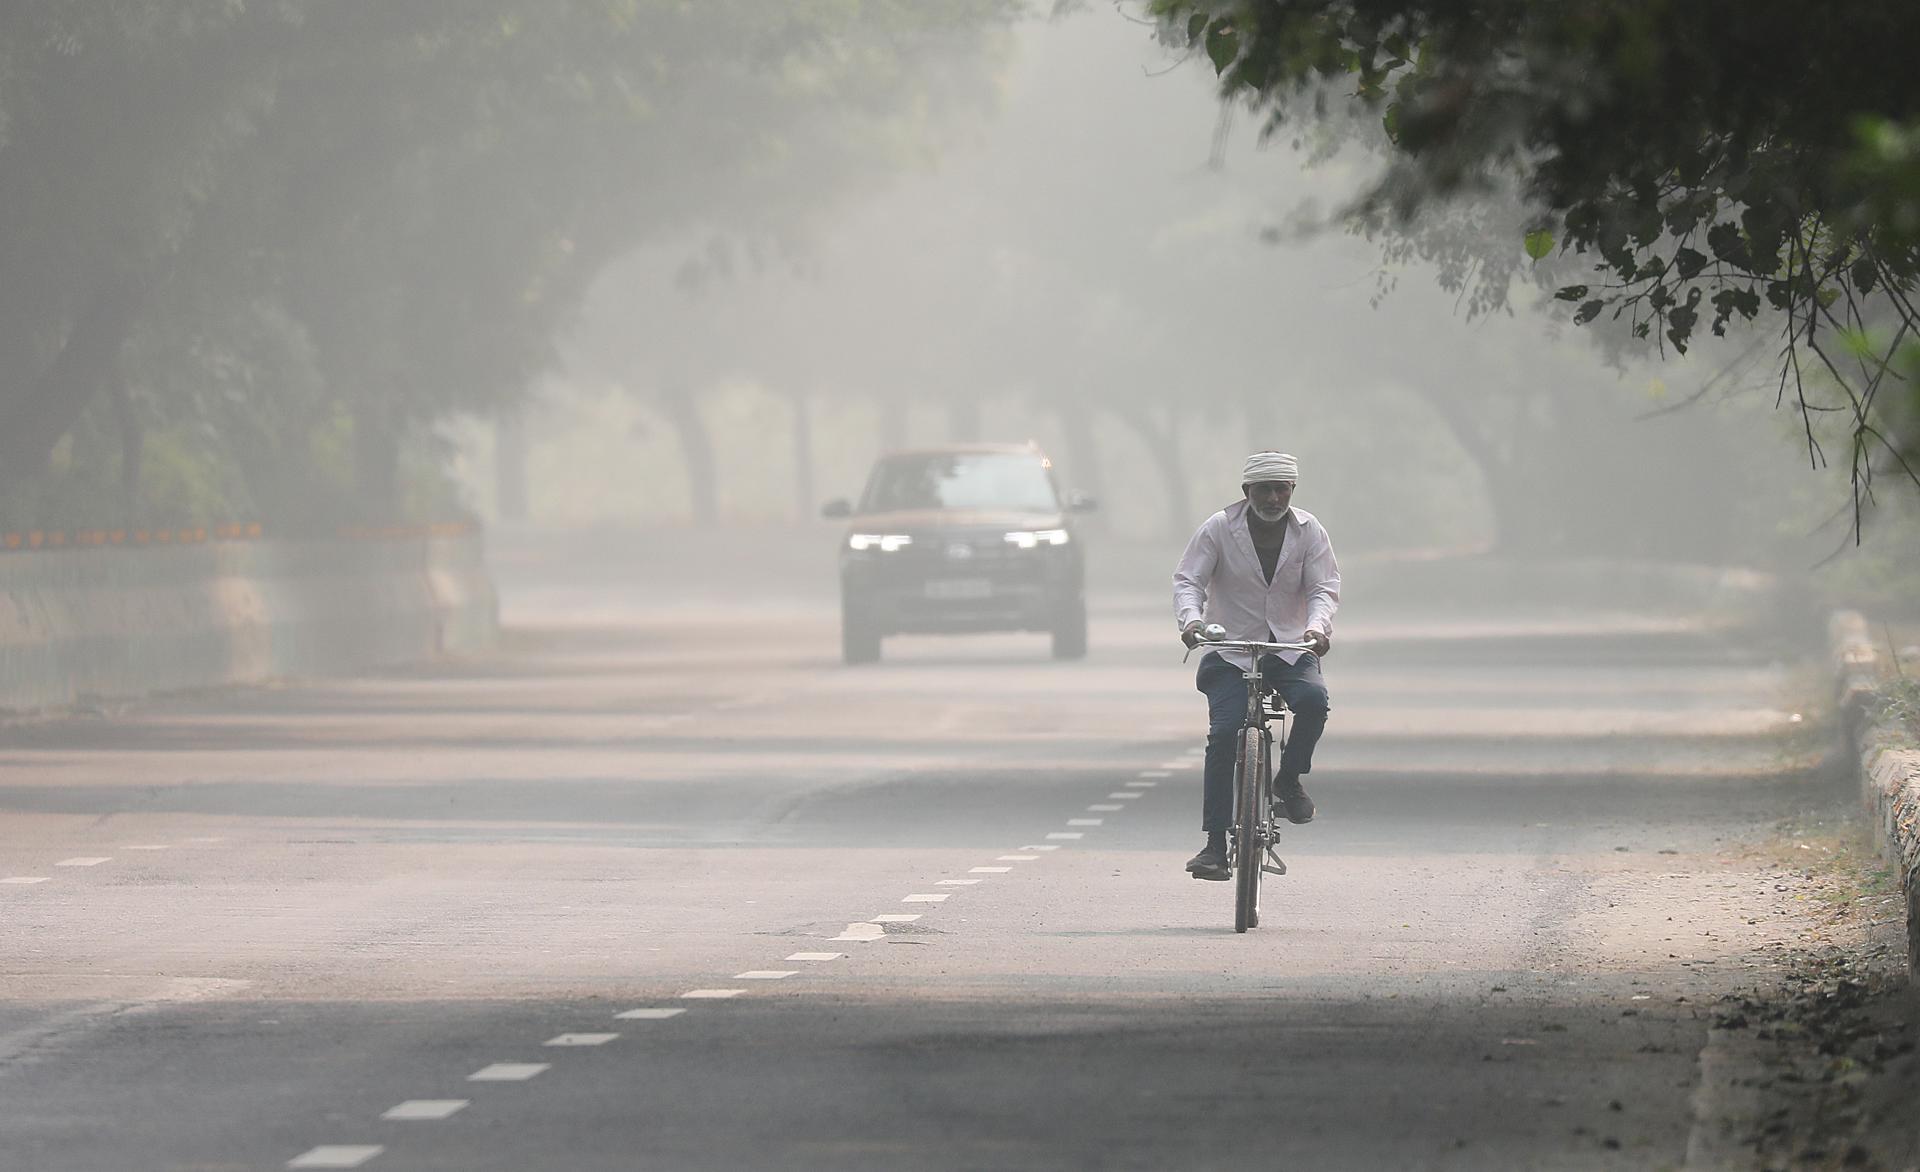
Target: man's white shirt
[{"x": 1219, "y": 580}]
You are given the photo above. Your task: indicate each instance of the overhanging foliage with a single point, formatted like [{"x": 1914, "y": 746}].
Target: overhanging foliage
[{"x": 1714, "y": 163}]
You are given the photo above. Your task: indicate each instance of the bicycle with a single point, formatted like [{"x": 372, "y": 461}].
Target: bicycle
[{"x": 1253, "y": 844}]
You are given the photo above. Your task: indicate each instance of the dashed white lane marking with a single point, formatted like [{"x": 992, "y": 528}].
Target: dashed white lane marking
[
  {"x": 861, "y": 932},
  {"x": 508, "y": 1071},
  {"x": 816, "y": 956},
  {"x": 896, "y": 918},
  {"x": 207, "y": 839},
  {"x": 648, "y": 1014},
  {"x": 1104, "y": 808},
  {"x": 1086, "y": 821},
  {"x": 1016, "y": 858},
  {"x": 765, "y": 974},
  {"x": 580, "y": 1040},
  {"x": 336, "y": 1156},
  {"x": 1176, "y": 765},
  {"x": 926, "y": 897},
  {"x": 988, "y": 870},
  {"x": 1068, "y": 834},
  {"x": 710, "y": 994},
  {"x": 146, "y": 846},
  {"x": 24, "y": 879},
  {"x": 426, "y": 1109},
  {"x": 84, "y": 861},
  {"x": 1045, "y": 846},
  {"x": 1154, "y": 773},
  {"x": 956, "y": 882},
  {"x": 1124, "y": 795}
]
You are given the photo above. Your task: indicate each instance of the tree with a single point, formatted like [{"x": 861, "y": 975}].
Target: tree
[
  {"x": 1712, "y": 163},
  {"x": 416, "y": 196}
]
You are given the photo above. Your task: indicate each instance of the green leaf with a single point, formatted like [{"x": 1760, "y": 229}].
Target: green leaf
[
  {"x": 1766, "y": 232},
  {"x": 1729, "y": 245},
  {"x": 1390, "y": 121},
  {"x": 1728, "y": 302},
  {"x": 1539, "y": 243},
  {"x": 1865, "y": 275},
  {"x": 1196, "y": 25},
  {"x": 1689, "y": 263},
  {"x": 1223, "y": 46},
  {"x": 1588, "y": 312},
  {"x": 1571, "y": 293},
  {"x": 1680, "y": 320},
  {"x": 1397, "y": 45}
]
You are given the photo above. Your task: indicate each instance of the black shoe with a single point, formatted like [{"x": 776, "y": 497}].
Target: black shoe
[
  {"x": 1293, "y": 799},
  {"x": 1210, "y": 863}
]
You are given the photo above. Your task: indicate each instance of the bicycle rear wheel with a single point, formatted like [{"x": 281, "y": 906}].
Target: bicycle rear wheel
[{"x": 1249, "y": 846}]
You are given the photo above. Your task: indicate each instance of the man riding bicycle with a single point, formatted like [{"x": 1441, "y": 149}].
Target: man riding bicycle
[{"x": 1265, "y": 571}]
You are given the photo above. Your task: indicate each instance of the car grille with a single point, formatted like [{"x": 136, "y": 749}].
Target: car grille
[{"x": 964, "y": 556}]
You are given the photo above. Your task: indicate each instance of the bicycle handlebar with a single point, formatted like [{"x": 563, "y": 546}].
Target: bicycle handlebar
[{"x": 1244, "y": 645}]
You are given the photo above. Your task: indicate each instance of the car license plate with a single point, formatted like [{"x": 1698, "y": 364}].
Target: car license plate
[{"x": 953, "y": 589}]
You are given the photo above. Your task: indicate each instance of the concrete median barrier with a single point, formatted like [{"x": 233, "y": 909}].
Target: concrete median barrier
[
  {"x": 1889, "y": 760},
  {"x": 118, "y": 622}
]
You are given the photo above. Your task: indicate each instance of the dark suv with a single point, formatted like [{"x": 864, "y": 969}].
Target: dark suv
[{"x": 974, "y": 537}]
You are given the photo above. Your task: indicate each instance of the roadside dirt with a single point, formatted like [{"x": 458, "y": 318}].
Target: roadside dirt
[{"x": 1828, "y": 1049}]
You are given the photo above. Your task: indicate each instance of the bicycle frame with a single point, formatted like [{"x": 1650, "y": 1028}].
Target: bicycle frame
[{"x": 1255, "y": 833}]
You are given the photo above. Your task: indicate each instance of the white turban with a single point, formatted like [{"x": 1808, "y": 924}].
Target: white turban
[{"x": 1263, "y": 466}]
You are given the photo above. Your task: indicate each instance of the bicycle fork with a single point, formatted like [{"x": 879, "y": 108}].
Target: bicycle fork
[
  {"x": 1272, "y": 864},
  {"x": 1266, "y": 827}
]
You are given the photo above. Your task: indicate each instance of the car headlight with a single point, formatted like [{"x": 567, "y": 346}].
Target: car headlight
[
  {"x": 1027, "y": 539},
  {"x": 884, "y": 542}
]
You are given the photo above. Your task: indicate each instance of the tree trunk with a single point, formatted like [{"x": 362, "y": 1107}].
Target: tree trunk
[
  {"x": 1265, "y": 425},
  {"x": 510, "y": 465},
  {"x": 1163, "y": 443},
  {"x": 893, "y": 425},
  {"x": 803, "y": 486},
  {"x": 696, "y": 447},
  {"x": 1084, "y": 471},
  {"x": 376, "y": 461},
  {"x": 50, "y": 405},
  {"x": 132, "y": 450},
  {"x": 1508, "y": 495},
  {"x": 964, "y": 421}
]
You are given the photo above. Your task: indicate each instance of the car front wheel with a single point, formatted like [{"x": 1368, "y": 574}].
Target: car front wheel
[
  {"x": 1070, "y": 631},
  {"x": 859, "y": 642}
]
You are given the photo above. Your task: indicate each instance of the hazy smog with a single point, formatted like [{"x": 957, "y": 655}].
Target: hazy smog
[{"x": 607, "y": 583}]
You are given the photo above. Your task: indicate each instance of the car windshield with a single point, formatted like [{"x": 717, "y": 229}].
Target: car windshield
[{"x": 962, "y": 480}]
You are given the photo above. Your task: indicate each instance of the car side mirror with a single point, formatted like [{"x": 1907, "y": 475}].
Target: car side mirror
[
  {"x": 834, "y": 510},
  {"x": 1079, "y": 502}
]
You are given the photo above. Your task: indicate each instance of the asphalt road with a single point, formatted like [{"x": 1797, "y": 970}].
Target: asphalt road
[{"x": 665, "y": 886}]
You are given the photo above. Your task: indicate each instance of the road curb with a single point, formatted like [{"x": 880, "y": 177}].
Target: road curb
[
  {"x": 1889, "y": 764},
  {"x": 81, "y": 624}
]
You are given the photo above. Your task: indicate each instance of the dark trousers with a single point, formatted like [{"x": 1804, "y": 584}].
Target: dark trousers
[{"x": 1299, "y": 684}]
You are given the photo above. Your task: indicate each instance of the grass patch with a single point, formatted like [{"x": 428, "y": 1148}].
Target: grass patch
[
  {"x": 1900, "y": 704},
  {"x": 1840, "y": 858}
]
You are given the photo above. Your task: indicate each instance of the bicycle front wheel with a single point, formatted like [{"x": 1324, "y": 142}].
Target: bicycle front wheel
[{"x": 1249, "y": 845}]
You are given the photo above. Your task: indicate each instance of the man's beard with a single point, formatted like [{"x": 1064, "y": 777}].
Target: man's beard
[{"x": 1269, "y": 517}]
